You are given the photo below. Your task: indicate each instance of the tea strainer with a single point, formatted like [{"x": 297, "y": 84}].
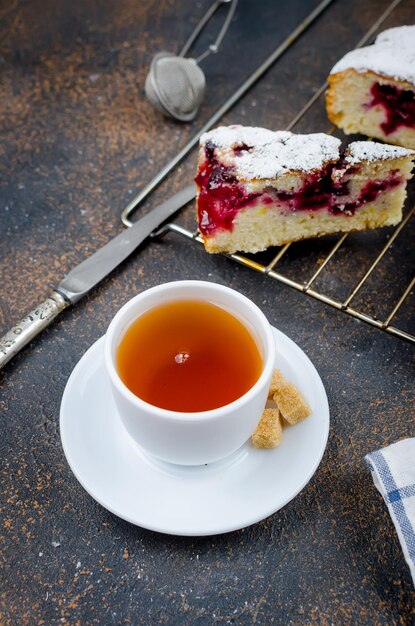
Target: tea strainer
[{"x": 175, "y": 85}]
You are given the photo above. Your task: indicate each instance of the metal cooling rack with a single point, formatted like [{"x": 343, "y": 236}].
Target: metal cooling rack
[{"x": 306, "y": 285}]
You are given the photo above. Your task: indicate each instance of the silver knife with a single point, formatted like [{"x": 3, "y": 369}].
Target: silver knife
[{"x": 88, "y": 274}]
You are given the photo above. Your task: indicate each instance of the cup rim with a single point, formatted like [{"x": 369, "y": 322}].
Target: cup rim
[{"x": 186, "y": 416}]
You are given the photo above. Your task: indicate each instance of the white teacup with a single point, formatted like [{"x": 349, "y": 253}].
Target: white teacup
[{"x": 191, "y": 438}]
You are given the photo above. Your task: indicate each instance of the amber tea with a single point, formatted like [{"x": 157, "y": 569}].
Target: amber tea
[{"x": 188, "y": 356}]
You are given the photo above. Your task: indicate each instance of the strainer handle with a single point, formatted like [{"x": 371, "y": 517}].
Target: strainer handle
[{"x": 213, "y": 48}]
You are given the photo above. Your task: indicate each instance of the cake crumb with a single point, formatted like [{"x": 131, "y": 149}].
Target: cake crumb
[
  {"x": 289, "y": 399},
  {"x": 268, "y": 433}
]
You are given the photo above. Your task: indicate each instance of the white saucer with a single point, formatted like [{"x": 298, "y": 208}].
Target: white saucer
[{"x": 203, "y": 500}]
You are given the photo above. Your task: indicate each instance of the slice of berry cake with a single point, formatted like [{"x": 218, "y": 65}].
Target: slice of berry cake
[
  {"x": 258, "y": 188},
  {"x": 372, "y": 90}
]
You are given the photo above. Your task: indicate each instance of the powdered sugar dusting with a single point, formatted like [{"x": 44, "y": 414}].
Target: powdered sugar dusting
[
  {"x": 400, "y": 35},
  {"x": 229, "y": 136},
  {"x": 267, "y": 154},
  {"x": 359, "y": 151},
  {"x": 392, "y": 54}
]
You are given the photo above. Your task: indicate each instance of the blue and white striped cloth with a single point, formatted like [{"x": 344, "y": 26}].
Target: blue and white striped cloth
[{"x": 393, "y": 472}]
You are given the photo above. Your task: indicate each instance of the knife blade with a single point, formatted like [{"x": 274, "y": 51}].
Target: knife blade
[{"x": 80, "y": 280}]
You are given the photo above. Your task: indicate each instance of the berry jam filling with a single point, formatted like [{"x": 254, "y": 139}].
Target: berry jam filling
[
  {"x": 221, "y": 196},
  {"x": 398, "y": 104},
  {"x": 238, "y": 150},
  {"x": 317, "y": 193}
]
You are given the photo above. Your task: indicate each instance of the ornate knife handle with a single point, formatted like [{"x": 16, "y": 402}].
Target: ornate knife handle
[{"x": 17, "y": 337}]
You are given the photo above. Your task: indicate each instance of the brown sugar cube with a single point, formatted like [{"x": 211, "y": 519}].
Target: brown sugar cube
[
  {"x": 276, "y": 381},
  {"x": 290, "y": 400},
  {"x": 268, "y": 433}
]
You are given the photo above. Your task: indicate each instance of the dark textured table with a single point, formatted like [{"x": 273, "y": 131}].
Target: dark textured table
[{"x": 78, "y": 140}]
